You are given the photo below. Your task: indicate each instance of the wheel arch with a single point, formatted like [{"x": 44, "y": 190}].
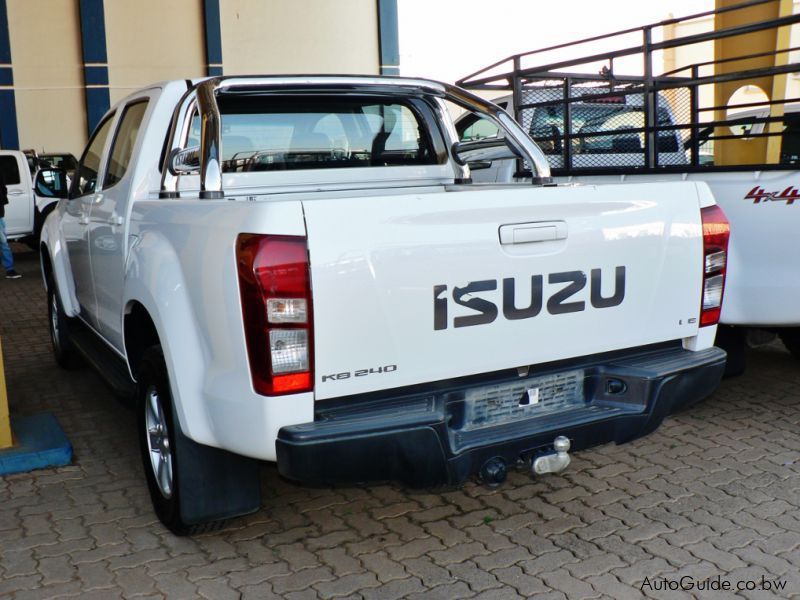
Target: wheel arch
[
  {"x": 55, "y": 266},
  {"x": 40, "y": 217},
  {"x": 46, "y": 265},
  {"x": 140, "y": 333},
  {"x": 157, "y": 309}
]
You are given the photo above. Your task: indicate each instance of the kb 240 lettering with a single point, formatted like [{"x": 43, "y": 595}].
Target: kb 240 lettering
[{"x": 359, "y": 373}]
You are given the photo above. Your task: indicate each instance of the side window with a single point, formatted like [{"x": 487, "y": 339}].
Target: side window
[
  {"x": 476, "y": 128},
  {"x": 124, "y": 141},
  {"x": 790, "y": 142},
  {"x": 9, "y": 169},
  {"x": 86, "y": 176}
]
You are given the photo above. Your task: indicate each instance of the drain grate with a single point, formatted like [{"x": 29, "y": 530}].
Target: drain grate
[{"x": 527, "y": 399}]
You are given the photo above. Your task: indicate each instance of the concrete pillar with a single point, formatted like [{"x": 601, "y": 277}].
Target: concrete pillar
[
  {"x": 9, "y": 136},
  {"x": 388, "y": 37},
  {"x": 756, "y": 150},
  {"x": 213, "y": 37},
  {"x": 95, "y": 61}
]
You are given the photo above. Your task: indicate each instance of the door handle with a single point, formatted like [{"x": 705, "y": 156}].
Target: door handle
[
  {"x": 528, "y": 233},
  {"x": 83, "y": 220},
  {"x": 115, "y": 220},
  {"x": 15, "y": 192}
]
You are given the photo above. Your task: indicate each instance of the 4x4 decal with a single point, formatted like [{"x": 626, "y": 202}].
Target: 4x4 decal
[{"x": 757, "y": 195}]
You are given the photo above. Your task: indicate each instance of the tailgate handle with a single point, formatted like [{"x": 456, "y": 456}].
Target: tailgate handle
[{"x": 528, "y": 233}]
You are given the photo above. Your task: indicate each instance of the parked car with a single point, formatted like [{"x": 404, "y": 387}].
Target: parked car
[
  {"x": 30, "y": 200},
  {"x": 623, "y": 114},
  {"x": 63, "y": 160},
  {"x": 318, "y": 283}
]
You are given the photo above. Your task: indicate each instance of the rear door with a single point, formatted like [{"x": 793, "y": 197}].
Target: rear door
[
  {"x": 75, "y": 219},
  {"x": 19, "y": 210},
  {"x": 424, "y": 287},
  {"x": 108, "y": 221}
]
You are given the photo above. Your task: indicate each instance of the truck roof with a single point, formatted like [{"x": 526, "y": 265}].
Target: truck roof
[
  {"x": 177, "y": 87},
  {"x": 302, "y": 80}
]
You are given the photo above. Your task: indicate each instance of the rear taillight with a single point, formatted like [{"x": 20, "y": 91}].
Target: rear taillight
[
  {"x": 716, "y": 231},
  {"x": 275, "y": 285}
]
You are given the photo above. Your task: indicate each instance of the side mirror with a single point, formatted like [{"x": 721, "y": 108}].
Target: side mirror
[
  {"x": 51, "y": 183},
  {"x": 479, "y": 152},
  {"x": 184, "y": 161}
]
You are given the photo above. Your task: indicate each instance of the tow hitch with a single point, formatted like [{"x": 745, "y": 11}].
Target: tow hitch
[
  {"x": 553, "y": 463},
  {"x": 494, "y": 471}
]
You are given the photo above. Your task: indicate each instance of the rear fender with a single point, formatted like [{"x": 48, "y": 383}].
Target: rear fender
[
  {"x": 155, "y": 279},
  {"x": 54, "y": 244}
]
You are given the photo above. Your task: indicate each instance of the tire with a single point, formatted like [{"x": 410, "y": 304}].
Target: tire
[
  {"x": 157, "y": 440},
  {"x": 791, "y": 339},
  {"x": 59, "y": 324},
  {"x": 194, "y": 488},
  {"x": 734, "y": 341}
]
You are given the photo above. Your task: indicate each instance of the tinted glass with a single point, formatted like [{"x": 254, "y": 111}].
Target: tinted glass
[
  {"x": 9, "y": 169},
  {"x": 547, "y": 127},
  {"x": 476, "y": 128},
  {"x": 51, "y": 184},
  {"x": 61, "y": 161},
  {"x": 85, "y": 179},
  {"x": 790, "y": 141},
  {"x": 321, "y": 132},
  {"x": 124, "y": 142}
]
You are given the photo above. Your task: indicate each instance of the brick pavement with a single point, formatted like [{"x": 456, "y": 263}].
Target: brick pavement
[{"x": 714, "y": 492}]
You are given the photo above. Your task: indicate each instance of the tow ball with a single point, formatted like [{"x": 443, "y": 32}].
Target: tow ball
[{"x": 553, "y": 463}]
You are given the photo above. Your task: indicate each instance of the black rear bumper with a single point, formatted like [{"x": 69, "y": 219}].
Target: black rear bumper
[{"x": 430, "y": 438}]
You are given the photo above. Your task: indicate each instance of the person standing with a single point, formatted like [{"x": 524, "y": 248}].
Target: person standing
[{"x": 6, "y": 257}]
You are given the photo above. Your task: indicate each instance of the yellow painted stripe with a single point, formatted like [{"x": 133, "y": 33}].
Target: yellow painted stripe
[{"x": 5, "y": 422}]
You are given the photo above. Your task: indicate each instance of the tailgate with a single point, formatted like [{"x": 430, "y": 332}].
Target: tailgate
[{"x": 417, "y": 288}]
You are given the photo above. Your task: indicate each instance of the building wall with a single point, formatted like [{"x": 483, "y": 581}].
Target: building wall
[
  {"x": 48, "y": 74},
  {"x": 311, "y": 36},
  {"x": 703, "y": 52},
  {"x": 152, "y": 40},
  {"x": 754, "y": 150}
]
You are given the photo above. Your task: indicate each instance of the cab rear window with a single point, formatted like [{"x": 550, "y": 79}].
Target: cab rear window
[{"x": 320, "y": 132}]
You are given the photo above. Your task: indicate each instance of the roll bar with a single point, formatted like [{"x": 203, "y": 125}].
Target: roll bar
[{"x": 202, "y": 98}]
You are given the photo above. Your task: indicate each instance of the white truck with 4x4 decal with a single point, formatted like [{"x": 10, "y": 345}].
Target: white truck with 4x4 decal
[
  {"x": 298, "y": 269},
  {"x": 600, "y": 124}
]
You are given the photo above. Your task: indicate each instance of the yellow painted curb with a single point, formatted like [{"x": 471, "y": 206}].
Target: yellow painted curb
[{"x": 5, "y": 422}]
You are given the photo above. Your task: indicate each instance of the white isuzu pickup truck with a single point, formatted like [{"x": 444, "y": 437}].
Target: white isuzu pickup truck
[{"x": 300, "y": 270}]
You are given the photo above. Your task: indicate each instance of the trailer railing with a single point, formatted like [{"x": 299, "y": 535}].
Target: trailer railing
[{"x": 614, "y": 110}]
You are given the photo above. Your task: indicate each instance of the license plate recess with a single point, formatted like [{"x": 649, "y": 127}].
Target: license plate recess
[{"x": 526, "y": 399}]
